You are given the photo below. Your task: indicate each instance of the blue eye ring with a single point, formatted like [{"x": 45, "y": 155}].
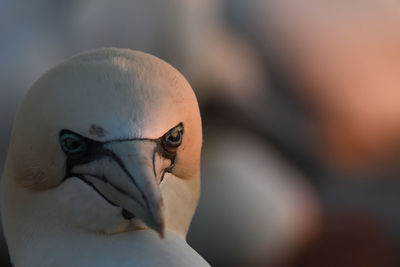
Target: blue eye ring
[
  {"x": 173, "y": 138},
  {"x": 72, "y": 143}
]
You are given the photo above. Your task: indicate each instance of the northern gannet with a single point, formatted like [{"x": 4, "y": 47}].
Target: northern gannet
[{"x": 105, "y": 147}]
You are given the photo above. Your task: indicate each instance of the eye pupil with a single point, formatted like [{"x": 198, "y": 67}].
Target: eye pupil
[
  {"x": 175, "y": 137},
  {"x": 72, "y": 144}
]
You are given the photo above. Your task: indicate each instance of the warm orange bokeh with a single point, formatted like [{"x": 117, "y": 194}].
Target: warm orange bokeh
[{"x": 347, "y": 63}]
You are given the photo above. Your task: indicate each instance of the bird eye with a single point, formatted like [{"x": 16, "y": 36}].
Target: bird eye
[
  {"x": 173, "y": 138},
  {"x": 72, "y": 143}
]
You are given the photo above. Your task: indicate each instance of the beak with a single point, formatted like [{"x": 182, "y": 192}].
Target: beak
[{"x": 128, "y": 173}]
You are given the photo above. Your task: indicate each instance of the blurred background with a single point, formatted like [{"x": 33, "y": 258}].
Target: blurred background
[{"x": 301, "y": 114}]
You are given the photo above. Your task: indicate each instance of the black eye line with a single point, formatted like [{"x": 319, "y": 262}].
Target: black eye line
[
  {"x": 95, "y": 148},
  {"x": 64, "y": 131}
]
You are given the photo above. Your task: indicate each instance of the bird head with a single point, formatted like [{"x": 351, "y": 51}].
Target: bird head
[{"x": 108, "y": 141}]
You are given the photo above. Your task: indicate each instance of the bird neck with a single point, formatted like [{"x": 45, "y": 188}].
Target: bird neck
[{"x": 180, "y": 201}]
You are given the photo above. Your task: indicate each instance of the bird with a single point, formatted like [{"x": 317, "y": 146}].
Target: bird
[{"x": 103, "y": 166}]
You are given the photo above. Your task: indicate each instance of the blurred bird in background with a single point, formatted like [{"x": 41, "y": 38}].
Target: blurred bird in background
[{"x": 300, "y": 114}]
